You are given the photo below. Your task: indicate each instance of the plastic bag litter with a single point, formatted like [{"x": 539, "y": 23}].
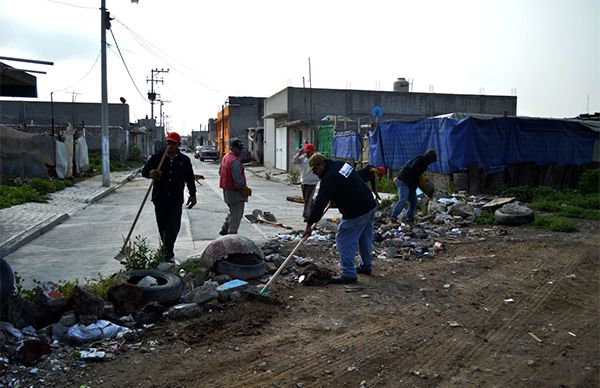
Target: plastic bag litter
[
  {"x": 96, "y": 331},
  {"x": 148, "y": 281}
]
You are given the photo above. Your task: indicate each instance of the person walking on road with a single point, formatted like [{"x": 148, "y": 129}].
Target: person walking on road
[
  {"x": 369, "y": 175},
  {"x": 308, "y": 180},
  {"x": 235, "y": 192},
  {"x": 167, "y": 192},
  {"x": 341, "y": 184},
  {"x": 408, "y": 181}
]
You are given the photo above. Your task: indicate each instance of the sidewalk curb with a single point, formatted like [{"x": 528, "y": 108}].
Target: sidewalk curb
[{"x": 17, "y": 241}]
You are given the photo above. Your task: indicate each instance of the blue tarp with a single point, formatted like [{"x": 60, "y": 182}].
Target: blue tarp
[
  {"x": 488, "y": 142},
  {"x": 346, "y": 145}
]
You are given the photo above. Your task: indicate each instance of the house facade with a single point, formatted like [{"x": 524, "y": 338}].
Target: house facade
[
  {"x": 232, "y": 122},
  {"x": 292, "y": 116}
]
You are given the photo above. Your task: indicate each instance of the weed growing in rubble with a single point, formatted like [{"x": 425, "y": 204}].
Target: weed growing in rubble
[
  {"x": 486, "y": 218},
  {"x": 138, "y": 255},
  {"x": 554, "y": 224},
  {"x": 385, "y": 185},
  {"x": 294, "y": 176}
]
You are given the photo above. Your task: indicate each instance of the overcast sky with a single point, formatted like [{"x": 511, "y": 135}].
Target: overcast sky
[{"x": 545, "y": 51}]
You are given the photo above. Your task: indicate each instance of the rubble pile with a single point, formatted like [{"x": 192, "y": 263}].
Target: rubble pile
[{"x": 53, "y": 334}]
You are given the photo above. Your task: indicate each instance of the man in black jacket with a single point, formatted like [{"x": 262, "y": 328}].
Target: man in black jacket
[
  {"x": 167, "y": 193},
  {"x": 342, "y": 185},
  {"x": 408, "y": 181}
]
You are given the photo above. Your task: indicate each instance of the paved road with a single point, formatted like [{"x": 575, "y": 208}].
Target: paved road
[{"x": 86, "y": 243}]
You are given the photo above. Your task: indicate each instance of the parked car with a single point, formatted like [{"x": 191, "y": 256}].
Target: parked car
[{"x": 206, "y": 152}]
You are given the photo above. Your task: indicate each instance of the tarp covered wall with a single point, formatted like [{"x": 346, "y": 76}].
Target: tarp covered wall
[
  {"x": 346, "y": 145},
  {"x": 489, "y": 143}
]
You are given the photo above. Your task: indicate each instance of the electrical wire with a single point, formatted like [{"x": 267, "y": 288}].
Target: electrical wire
[
  {"x": 127, "y": 68},
  {"x": 155, "y": 51},
  {"x": 82, "y": 78},
  {"x": 72, "y": 5}
]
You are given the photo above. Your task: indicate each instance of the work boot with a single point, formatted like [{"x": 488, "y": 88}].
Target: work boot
[
  {"x": 364, "y": 271},
  {"x": 224, "y": 230},
  {"x": 171, "y": 259},
  {"x": 341, "y": 280}
]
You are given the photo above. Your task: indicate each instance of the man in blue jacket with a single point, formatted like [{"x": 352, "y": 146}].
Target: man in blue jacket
[
  {"x": 342, "y": 185},
  {"x": 407, "y": 183}
]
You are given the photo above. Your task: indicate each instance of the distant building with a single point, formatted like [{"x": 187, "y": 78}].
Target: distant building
[
  {"x": 293, "y": 115},
  {"x": 232, "y": 122}
]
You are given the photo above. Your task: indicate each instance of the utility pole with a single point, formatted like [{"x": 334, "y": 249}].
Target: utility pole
[
  {"x": 104, "y": 25},
  {"x": 151, "y": 93}
]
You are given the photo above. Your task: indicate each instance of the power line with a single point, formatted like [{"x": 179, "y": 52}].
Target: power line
[
  {"x": 126, "y": 68},
  {"x": 152, "y": 49},
  {"x": 72, "y": 5},
  {"x": 82, "y": 78}
]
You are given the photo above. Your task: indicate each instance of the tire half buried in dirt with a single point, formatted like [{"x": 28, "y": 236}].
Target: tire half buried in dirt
[
  {"x": 514, "y": 218},
  {"x": 241, "y": 266},
  {"x": 167, "y": 291}
]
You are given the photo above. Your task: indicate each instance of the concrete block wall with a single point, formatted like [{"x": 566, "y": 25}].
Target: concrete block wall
[
  {"x": 358, "y": 103},
  {"x": 40, "y": 112}
]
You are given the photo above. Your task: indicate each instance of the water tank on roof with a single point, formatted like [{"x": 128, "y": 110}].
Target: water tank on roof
[{"x": 401, "y": 85}]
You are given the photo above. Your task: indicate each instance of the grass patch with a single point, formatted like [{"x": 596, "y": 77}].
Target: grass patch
[
  {"x": 95, "y": 161},
  {"x": 486, "y": 218},
  {"x": 554, "y": 224},
  {"x": 35, "y": 190},
  {"x": 385, "y": 185},
  {"x": 565, "y": 203}
]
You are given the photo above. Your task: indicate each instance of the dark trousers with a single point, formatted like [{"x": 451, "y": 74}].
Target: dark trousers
[
  {"x": 308, "y": 191},
  {"x": 168, "y": 219}
]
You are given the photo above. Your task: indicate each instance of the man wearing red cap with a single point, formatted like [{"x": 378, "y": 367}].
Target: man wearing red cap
[
  {"x": 369, "y": 175},
  {"x": 308, "y": 180},
  {"x": 167, "y": 194}
]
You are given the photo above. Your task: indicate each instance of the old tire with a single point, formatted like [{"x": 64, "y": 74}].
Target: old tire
[
  {"x": 241, "y": 271},
  {"x": 7, "y": 281},
  {"x": 167, "y": 291},
  {"x": 514, "y": 219}
]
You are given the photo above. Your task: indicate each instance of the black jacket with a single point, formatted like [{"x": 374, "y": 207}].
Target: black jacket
[
  {"x": 368, "y": 176},
  {"x": 176, "y": 173},
  {"x": 352, "y": 197},
  {"x": 412, "y": 170}
]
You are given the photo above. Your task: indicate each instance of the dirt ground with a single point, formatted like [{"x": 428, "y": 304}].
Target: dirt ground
[{"x": 501, "y": 306}]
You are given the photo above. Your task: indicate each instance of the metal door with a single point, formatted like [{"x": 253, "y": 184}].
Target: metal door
[{"x": 281, "y": 148}]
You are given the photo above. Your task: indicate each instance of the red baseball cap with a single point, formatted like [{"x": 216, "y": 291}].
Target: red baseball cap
[
  {"x": 381, "y": 170},
  {"x": 309, "y": 148},
  {"x": 174, "y": 136}
]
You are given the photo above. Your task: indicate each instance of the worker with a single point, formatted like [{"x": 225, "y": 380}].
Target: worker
[
  {"x": 233, "y": 182},
  {"x": 167, "y": 193},
  {"x": 369, "y": 175},
  {"x": 308, "y": 180},
  {"x": 408, "y": 181},
  {"x": 340, "y": 183}
]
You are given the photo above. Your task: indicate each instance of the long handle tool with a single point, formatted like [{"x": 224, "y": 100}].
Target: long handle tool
[
  {"x": 121, "y": 256},
  {"x": 282, "y": 266}
]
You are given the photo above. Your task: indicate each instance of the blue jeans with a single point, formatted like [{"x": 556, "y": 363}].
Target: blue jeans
[
  {"x": 352, "y": 234},
  {"x": 404, "y": 193}
]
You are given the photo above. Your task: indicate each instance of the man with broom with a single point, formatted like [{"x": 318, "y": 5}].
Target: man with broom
[
  {"x": 171, "y": 171},
  {"x": 341, "y": 184}
]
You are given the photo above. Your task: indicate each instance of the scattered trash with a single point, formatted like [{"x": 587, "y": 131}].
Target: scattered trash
[
  {"x": 509, "y": 300},
  {"x": 535, "y": 337},
  {"x": 453, "y": 324},
  {"x": 92, "y": 354},
  {"x": 96, "y": 331}
]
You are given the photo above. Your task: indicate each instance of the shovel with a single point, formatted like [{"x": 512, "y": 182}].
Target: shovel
[
  {"x": 264, "y": 291},
  {"x": 265, "y": 218},
  {"x": 121, "y": 255}
]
